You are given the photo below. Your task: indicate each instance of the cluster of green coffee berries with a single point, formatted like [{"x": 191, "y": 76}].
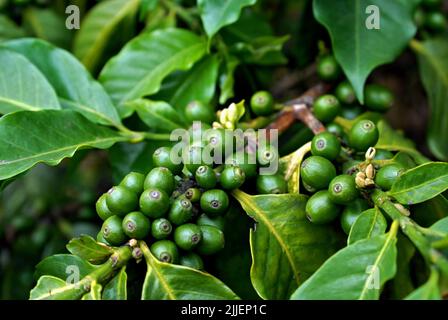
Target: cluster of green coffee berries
[{"x": 430, "y": 17}]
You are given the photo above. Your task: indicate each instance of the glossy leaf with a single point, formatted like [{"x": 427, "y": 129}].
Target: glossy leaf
[
  {"x": 360, "y": 49},
  {"x": 165, "y": 281},
  {"x": 369, "y": 224},
  {"x": 227, "y": 79},
  {"x": 421, "y": 183},
  {"x": 428, "y": 291},
  {"x": 28, "y": 138},
  {"x": 157, "y": 114},
  {"x": 434, "y": 75},
  {"x": 140, "y": 67},
  {"x": 441, "y": 226},
  {"x": 266, "y": 50},
  {"x": 116, "y": 289},
  {"x": 216, "y": 14},
  {"x": 23, "y": 87},
  {"x": 63, "y": 266},
  {"x": 431, "y": 211},
  {"x": 74, "y": 86},
  {"x": 88, "y": 249},
  {"x": 9, "y": 29},
  {"x": 403, "y": 283},
  {"x": 98, "y": 28},
  {"x": 52, "y": 288},
  {"x": 286, "y": 248},
  {"x": 356, "y": 272},
  {"x": 199, "y": 83},
  {"x": 47, "y": 25},
  {"x": 393, "y": 140}
]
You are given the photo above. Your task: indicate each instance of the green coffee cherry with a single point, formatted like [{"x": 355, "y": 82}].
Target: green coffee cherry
[
  {"x": 181, "y": 211},
  {"x": 160, "y": 178},
  {"x": 100, "y": 238},
  {"x": 102, "y": 209},
  {"x": 378, "y": 98},
  {"x": 266, "y": 155},
  {"x": 232, "y": 177},
  {"x": 388, "y": 175},
  {"x": 193, "y": 158},
  {"x": 317, "y": 172},
  {"x": 351, "y": 112},
  {"x": 345, "y": 93},
  {"x": 309, "y": 188},
  {"x": 262, "y": 103},
  {"x": 198, "y": 111},
  {"x": 165, "y": 251},
  {"x": 136, "y": 225},
  {"x": 193, "y": 194},
  {"x": 351, "y": 212},
  {"x": 154, "y": 203},
  {"x": 215, "y": 140},
  {"x": 247, "y": 163},
  {"x": 382, "y": 154},
  {"x": 133, "y": 181},
  {"x": 121, "y": 200},
  {"x": 271, "y": 184},
  {"x": 342, "y": 189},
  {"x": 320, "y": 209},
  {"x": 328, "y": 68},
  {"x": 363, "y": 135},
  {"x": 206, "y": 177},
  {"x": 161, "y": 228},
  {"x": 212, "y": 240},
  {"x": 217, "y": 222},
  {"x": 436, "y": 21},
  {"x": 112, "y": 231},
  {"x": 192, "y": 260},
  {"x": 326, "y": 108},
  {"x": 162, "y": 158},
  {"x": 336, "y": 129},
  {"x": 187, "y": 236},
  {"x": 214, "y": 202},
  {"x": 326, "y": 145}
]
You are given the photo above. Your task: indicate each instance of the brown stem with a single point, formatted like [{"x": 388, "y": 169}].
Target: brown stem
[{"x": 304, "y": 114}]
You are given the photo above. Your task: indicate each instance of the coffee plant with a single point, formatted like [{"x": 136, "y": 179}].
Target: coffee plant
[{"x": 238, "y": 149}]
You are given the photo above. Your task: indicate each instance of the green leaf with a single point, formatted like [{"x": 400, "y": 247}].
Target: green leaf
[
  {"x": 428, "y": 291},
  {"x": 393, "y": 140},
  {"x": 9, "y": 29},
  {"x": 369, "y": 224},
  {"x": 165, "y": 281},
  {"x": 99, "y": 27},
  {"x": 51, "y": 288},
  {"x": 359, "y": 49},
  {"x": 116, "y": 289},
  {"x": 431, "y": 211},
  {"x": 23, "y": 87},
  {"x": 74, "y": 86},
  {"x": 47, "y": 25},
  {"x": 402, "y": 284},
  {"x": 28, "y": 138},
  {"x": 434, "y": 75},
  {"x": 140, "y": 67},
  {"x": 356, "y": 272},
  {"x": 199, "y": 83},
  {"x": 441, "y": 226},
  {"x": 63, "y": 265},
  {"x": 216, "y": 14},
  {"x": 95, "y": 292},
  {"x": 88, "y": 249},
  {"x": 266, "y": 50},
  {"x": 421, "y": 183},
  {"x": 286, "y": 248},
  {"x": 157, "y": 114},
  {"x": 227, "y": 79}
]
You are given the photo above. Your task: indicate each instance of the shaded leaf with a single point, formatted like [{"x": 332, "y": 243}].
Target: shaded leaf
[
  {"x": 63, "y": 265},
  {"x": 428, "y": 291},
  {"x": 140, "y": 67},
  {"x": 47, "y": 136},
  {"x": 369, "y": 224},
  {"x": 74, "y": 86},
  {"x": 227, "y": 79},
  {"x": 51, "y": 288},
  {"x": 88, "y": 249},
  {"x": 356, "y": 272},
  {"x": 216, "y": 14},
  {"x": 116, "y": 289},
  {"x": 431, "y": 211},
  {"x": 441, "y": 226},
  {"x": 286, "y": 248},
  {"x": 434, "y": 75},
  {"x": 265, "y": 50},
  {"x": 23, "y": 87},
  {"x": 421, "y": 183},
  {"x": 165, "y": 281},
  {"x": 358, "y": 49},
  {"x": 9, "y": 29}
]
